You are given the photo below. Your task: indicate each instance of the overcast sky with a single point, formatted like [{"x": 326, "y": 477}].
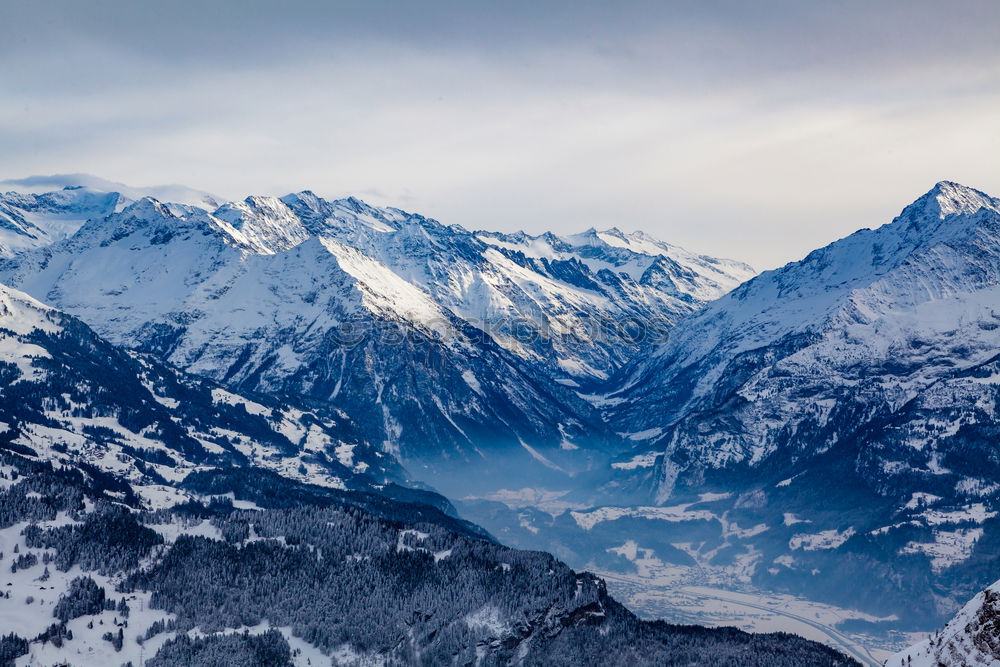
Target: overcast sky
[{"x": 754, "y": 130}]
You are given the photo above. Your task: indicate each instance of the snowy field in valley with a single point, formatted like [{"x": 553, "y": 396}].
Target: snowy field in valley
[{"x": 677, "y": 594}]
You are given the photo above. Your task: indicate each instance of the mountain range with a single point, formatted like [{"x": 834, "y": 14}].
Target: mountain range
[
  {"x": 826, "y": 429},
  {"x": 846, "y": 402},
  {"x": 893, "y": 329},
  {"x": 453, "y": 350}
]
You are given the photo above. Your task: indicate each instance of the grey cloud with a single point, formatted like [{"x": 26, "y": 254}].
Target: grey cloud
[{"x": 756, "y": 130}]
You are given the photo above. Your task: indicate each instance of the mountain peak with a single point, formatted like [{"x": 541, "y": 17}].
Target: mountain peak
[
  {"x": 147, "y": 206},
  {"x": 354, "y": 205},
  {"x": 263, "y": 224},
  {"x": 948, "y": 198},
  {"x": 303, "y": 196},
  {"x": 310, "y": 207}
]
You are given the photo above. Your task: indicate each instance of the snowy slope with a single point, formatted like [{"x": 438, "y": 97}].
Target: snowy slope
[
  {"x": 644, "y": 259},
  {"x": 70, "y": 396},
  {"x": 645, "y": 286},
  {"x": 972, "y": 637},
  {"x": 34, "y": 214}
]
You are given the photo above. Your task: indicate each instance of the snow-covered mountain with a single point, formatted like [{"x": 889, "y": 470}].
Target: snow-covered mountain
[
  {"x": 70, "y": 397},
  {"x": 150, "y": 515},
  {"x": 565, "y": 303},
  {"x": 35, "y": 214},
  {"x": 443, "y": 344},
  {"x": 647, "y": 286},
  {"x": 43, "y": 184},
  {"x": 894, "y": 321},
  {"x": 36, "y": 220},
  {"x": 971, "y": 638},
  {"x": 850, "y": 398}
]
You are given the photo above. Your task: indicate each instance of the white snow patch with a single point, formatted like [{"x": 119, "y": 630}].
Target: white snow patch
[
  {"x": 827, "y": 539},
  {"x": 948, "y": 547}
]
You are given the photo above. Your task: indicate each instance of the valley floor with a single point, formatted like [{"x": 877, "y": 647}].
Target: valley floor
[{"x": 675, "y": 594}]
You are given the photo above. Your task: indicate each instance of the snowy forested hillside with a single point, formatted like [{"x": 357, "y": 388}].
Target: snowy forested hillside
[
  {"x": 69, "y": 395},
  {"x": 153, "y": 518}
]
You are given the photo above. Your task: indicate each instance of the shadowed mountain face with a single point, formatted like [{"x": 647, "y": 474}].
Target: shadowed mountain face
[{"x": 450, "y": 348}]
